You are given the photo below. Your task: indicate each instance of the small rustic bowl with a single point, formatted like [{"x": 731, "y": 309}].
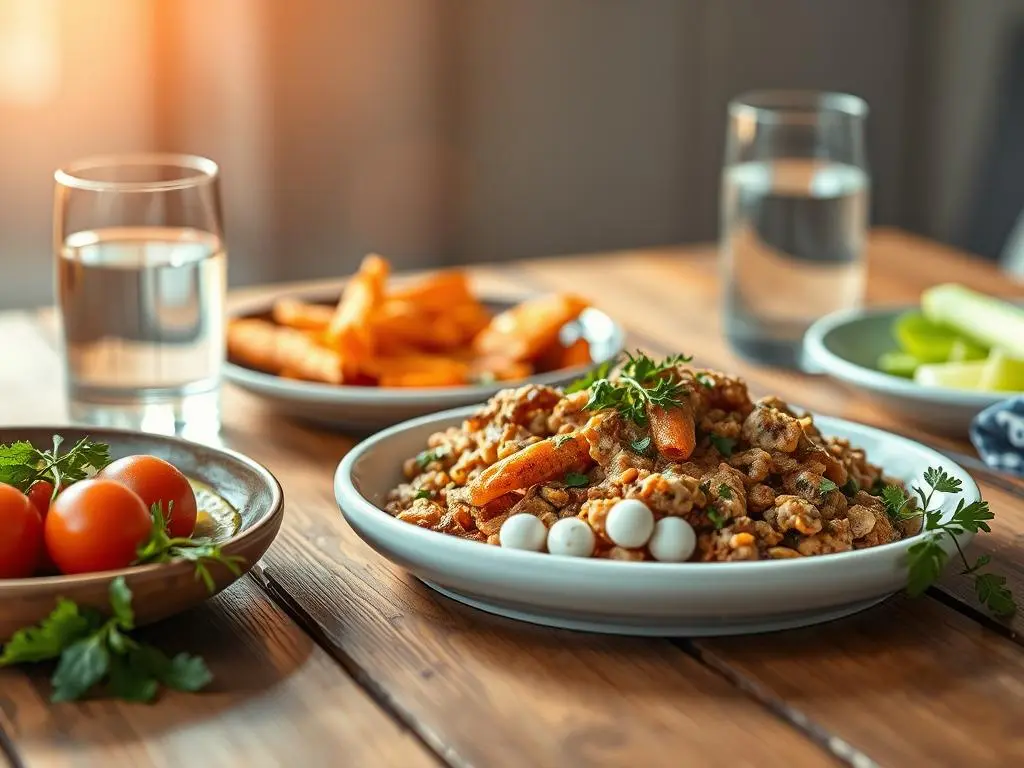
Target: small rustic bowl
[
  {"x": 846, "y": 345},
  {"x": 365, "y": 409},
  {"x": 163, "y": 589}
]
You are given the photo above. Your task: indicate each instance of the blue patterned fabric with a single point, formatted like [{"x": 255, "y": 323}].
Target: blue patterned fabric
[{"x": 998, "y": 434}]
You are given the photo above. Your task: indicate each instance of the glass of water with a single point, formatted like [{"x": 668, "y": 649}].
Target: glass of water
[
  {"x": 794, "y": 215},
  {"x": 141, "y": 279}
]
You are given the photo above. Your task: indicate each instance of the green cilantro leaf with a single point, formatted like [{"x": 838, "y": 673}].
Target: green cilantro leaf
[
  {"x": 65, "y": 625},
  {"x": 18, "y": 464},
  {"x": 926, "y": 558},
  {"x": 827, "y": 486},
  {"x": 723, "y": 445},
  {"x": 993, "y": 593},
  {"x": 575, "y": 480},
  {"x": 705, "y": 380},
  {"x": 561, "y": 440},
  {"x": 925, "y": 561},
  {"x": 423, "y": 493},
  {"x": 941, "y": 482},
  {"x": 593, "y": 376},
  {"x": 186, "y": 673},
  {"x": 81, "y": 666},
  {"x": 425, "y": 458},
  {"x": 640, "y": 382},
  {"x": 717, "y": 519},
  {"x": 724, "y": 491},
  {"x": 130, "y": 680},
  {"x": 121, "y": 603},
  {"x": 641, "y": 445}
]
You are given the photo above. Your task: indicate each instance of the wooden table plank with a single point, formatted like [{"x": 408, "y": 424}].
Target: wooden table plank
[{"x": 276, "y": 696}]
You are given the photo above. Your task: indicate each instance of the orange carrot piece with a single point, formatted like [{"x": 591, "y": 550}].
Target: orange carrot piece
[
  {"x": 349, "y": 332},
  {"x": 302, "y": 315},
  {"x": 437, "y": 292},
  {"x": 536, "y": 463},
  {"x": 524, "y": 331},
  {"x": 673, "y": 431}
]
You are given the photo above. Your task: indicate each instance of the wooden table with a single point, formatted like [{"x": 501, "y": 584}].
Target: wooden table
[{"x": 329, "y": 655}]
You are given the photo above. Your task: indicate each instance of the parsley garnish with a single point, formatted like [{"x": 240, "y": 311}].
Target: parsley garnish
[
  {"x": 423, "y": 493},
  {"x": 827, "y": 486},
  {"x": 705, "y": 380},
  {"x": 425, "y": 458},
  {"x": 21, "y": 464},
  {"x": 926, "y": 558},
  {"x": 575, "y": 480},
  {"x": 160, "y": 547},
  {"x": 724, "y": 491},
  {"x": 716, "y": 518},
  {"x": 91, "y": 648},
  {"x": 561, "y": 440},
  {"x": 640, "y": 382},
  {"x": 641, "y": 445},
  {"x": 724, "y": 445}
]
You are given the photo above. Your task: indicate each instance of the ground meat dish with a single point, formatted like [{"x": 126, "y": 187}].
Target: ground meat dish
[{"x": 759, "y": 481}]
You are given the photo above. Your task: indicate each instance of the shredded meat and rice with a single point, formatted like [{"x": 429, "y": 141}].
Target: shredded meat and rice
[{"x": 761, "y": 482}]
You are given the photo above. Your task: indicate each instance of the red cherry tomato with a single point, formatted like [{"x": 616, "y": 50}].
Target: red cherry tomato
[
  {"x": 40, "y": 494},
  {"x": 21, "y": 534},
  {"x": 157, "y": 481},
  {"x": 96, "y": 525}
]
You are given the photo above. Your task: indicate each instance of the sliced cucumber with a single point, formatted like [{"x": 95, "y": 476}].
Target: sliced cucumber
[
  {"x": 987, "y": 320},
  {"x": 898, "y": 364},
  {"x": 951, "y": 375},
  {"x": 1003, "y": 373}
]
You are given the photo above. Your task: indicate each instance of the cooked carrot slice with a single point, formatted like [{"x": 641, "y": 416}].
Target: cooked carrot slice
[
  {"x": 524, "y": 331},
  {"x": 349, "y": 332},
  {"x": 437, "y": 292},
  {"x": 537, "y": 463},
  {"x": 673, "y": 431},
  {"x": 295, "y": 313}
]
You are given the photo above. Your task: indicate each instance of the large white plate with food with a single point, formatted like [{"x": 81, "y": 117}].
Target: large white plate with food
[
  {"x": 604, "y": 594},
  {"x": 378, "y": 355}
]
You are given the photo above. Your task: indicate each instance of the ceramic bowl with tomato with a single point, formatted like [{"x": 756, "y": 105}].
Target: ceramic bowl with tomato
[{"x": 73, "y": 543}]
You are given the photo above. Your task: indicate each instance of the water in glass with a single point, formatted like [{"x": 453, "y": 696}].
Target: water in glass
[
  {"x": 792, "y": 238},
  {"x": 143, "y": 313}
]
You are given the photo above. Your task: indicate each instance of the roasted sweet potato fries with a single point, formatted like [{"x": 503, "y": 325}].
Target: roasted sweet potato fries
[{"x": 432, "y": 333}]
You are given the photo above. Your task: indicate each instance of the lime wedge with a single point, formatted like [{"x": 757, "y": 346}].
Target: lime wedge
[
  {"x": 927, "y": 341},
  {"x": 964, "y": 349},
  {"x": 952, "y": 375},
  {"x": 1003, "y": 373},
  {"x": 898, "y": 364}
]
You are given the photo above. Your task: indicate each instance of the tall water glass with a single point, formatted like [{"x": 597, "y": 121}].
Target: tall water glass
[
  {"x": 141, "y": 278},
  {"x": 794, "y": 213}
]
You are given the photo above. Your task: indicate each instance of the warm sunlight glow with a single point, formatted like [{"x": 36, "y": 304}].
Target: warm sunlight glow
[{"x": 29, "y": 51}]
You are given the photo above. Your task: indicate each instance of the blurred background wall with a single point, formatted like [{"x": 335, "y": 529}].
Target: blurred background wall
[{"x": 449, "y": 131}]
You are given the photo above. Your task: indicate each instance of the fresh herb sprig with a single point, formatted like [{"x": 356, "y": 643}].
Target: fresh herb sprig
[
  {"x": 927, "y": 558},
  {"x": 640, "y": 382},
  {"x": 91, "y": 648},
  {"x": 161, "y": 547},
  {"x": 22, "y": 464}
]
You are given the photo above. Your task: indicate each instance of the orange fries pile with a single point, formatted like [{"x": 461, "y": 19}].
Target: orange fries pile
[{"x": 433, "y": 333}]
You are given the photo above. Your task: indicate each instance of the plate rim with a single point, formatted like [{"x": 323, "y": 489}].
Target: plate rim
[{"x": 268, "y": 523}]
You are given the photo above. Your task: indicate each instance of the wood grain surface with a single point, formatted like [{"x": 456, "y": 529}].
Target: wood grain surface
[{"x": 331, "y": 655}]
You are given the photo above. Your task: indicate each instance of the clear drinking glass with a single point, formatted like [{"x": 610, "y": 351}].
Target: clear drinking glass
[
  {"x": 141, "y": 280},
  {"x": 794, "y": 215}
]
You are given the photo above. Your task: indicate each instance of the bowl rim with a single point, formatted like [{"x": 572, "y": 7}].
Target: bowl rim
[
  {"x": 268, "y": 520},
  {"x": 817, "y": 349},
  {"x": 342, "y": 394},
  {"x": 346, "y": 492}
]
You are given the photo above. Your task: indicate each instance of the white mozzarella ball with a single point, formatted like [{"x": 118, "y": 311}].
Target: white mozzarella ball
[
  {"x": 571, "y": 536},
  {"x": 629, "y": 523},
  {"x": 673, "y": 540},
  {"x": 523, "y": 531}
]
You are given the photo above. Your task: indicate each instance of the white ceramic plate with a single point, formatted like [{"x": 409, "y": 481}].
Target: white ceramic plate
[
  {"x": 363, "y": 409},
  {"x": 847, "y": 344},
  {"x": 670, "y": 599}
]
